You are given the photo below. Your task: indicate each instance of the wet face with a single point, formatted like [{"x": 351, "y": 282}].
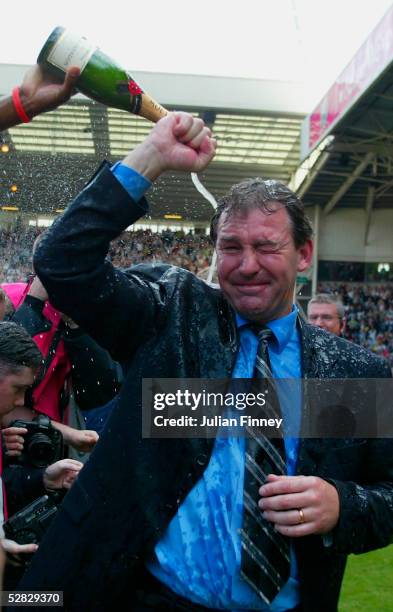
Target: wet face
[
  {"x": 257, "y": 262},
  {"x": 13, "y": 386},
  {"x": 325, "y": 316}
]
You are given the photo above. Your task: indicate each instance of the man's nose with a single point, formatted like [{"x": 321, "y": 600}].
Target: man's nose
[
  {"x": 249, "y": 264},
  {"x": 19, "y": 400},
  {"x": 319, "y": 320}
]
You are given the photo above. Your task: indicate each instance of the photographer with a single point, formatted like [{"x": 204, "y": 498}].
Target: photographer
[
  {"x": 72, "y": 360},
  {"x": 20, "y": 361}
]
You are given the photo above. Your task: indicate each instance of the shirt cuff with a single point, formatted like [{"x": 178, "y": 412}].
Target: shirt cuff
[{"x": 134, "y": 183}]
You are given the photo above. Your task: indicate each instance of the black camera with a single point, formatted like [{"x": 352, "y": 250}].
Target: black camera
[
  {"x": 43, "y": 444},
  {"x": 29, "y": 524}
]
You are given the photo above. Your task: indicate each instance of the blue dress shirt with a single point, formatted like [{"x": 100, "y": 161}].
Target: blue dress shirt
[
  {"x": 199, "y": 556},
  {"x": 132, "y": 181}
]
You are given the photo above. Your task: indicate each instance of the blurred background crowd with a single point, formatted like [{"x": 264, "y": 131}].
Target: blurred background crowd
[
  {"x": 190, "y": 251},
  {"x": 368, "y": 306},
  {"x": 368, "y": 314}
]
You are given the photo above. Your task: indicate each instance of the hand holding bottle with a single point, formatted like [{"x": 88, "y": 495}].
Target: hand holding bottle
[
  {"x": 101, "y": 78},
  {"x": 40, "y": 92},
  {"x": 177, "y": 142}
]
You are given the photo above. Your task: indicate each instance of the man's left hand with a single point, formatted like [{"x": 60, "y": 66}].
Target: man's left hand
[
  {"x": 299, "y": 505},
  {"x": 82, "y": 440},
  {"x": 61, "y": 475}
]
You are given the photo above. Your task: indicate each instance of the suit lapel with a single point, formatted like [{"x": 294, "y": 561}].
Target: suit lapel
[
  {"x": 314, "y": 365},
  {"x": 319, "y": 357}
]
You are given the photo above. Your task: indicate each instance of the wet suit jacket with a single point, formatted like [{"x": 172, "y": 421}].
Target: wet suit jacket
[{"x": 170, "y": 324}]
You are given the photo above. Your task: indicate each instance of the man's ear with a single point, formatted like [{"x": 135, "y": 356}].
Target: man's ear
[{"x": 305, "y": 253}]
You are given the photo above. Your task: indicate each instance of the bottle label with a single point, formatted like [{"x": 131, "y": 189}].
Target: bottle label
[{"x": 71, "y": 50}]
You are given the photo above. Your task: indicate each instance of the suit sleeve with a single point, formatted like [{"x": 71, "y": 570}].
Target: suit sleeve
[
  {"x": 96, "y": 377},
  {"x": 29, "y": 315},
  {"x": 116, "y": 308},
  {"x": 366, "y": 516},
  {"x": 366, "y": 508}
]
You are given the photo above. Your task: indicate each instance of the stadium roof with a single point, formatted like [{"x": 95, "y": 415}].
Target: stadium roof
[
  {"x": 51, "y": 158},
  {"x": 349, "y": 136}
]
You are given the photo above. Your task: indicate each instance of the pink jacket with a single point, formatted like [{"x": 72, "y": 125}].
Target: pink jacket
[{"x": 46, "y": 395}]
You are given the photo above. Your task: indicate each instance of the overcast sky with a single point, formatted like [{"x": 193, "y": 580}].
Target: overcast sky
[{"x": 300, "y": 40}]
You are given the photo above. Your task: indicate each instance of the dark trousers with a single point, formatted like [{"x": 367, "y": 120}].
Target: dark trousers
[{"x": 154, "y": 595}]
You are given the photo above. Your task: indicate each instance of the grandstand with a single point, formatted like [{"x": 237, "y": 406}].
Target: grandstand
[{"x": 257, "y": 134}]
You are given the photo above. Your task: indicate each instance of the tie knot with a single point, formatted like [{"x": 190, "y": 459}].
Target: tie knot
[{"x": 263, "y": 333}]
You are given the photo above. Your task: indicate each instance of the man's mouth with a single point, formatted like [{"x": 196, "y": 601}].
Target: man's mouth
[{"x": 251, "y": 288}]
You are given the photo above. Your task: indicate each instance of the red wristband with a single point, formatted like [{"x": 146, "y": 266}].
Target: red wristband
[{"x": 19, "y": 106}]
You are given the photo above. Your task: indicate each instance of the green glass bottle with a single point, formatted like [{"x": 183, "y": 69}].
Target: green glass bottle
[{"x": 101, "y": 78}]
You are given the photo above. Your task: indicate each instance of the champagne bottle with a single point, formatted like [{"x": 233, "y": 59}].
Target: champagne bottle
[{"x": 101, "y": 78}]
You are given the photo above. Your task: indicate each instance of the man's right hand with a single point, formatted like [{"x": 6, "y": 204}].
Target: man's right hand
[
  {"x": 37, "y": 290},
  {"x": 61, "y": 474},
  {"x": 41, "y": 91},
  {"x": 177, "y": 142}
]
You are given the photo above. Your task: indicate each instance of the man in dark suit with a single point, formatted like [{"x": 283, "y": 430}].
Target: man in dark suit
[{"x": 161, "y": 524}]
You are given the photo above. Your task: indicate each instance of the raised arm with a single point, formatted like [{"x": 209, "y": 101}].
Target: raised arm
[{"x": 109, "y": 304}]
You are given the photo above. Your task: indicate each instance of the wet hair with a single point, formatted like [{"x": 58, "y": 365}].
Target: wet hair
[
  {"x": 257, "y": 193},
  {"x": 326, "y": 298},
  {"x": 17, "y": 349}
]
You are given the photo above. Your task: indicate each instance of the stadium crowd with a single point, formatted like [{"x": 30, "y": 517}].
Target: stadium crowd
[
  {"x": 16, "y": 245},
  {"x": 368, "y": 307},
  {"x": 368, "y": 314},
  {"x": 189, "y": 251}
]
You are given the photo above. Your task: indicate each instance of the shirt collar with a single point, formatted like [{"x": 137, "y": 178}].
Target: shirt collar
[{"x": 282, "y": 328}]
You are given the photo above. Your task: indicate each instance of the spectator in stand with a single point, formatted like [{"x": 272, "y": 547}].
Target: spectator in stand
[{"x": 326, "y": 312}]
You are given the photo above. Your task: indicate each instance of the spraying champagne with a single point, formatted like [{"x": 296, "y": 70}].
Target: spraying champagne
[{"x": 101, "y": 78}]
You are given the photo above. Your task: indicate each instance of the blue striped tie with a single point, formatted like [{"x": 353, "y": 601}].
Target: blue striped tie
[{"x": 265, "y": 553}]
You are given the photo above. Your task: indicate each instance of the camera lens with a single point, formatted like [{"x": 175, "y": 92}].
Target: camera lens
[{"x": 40, "y": 450}]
